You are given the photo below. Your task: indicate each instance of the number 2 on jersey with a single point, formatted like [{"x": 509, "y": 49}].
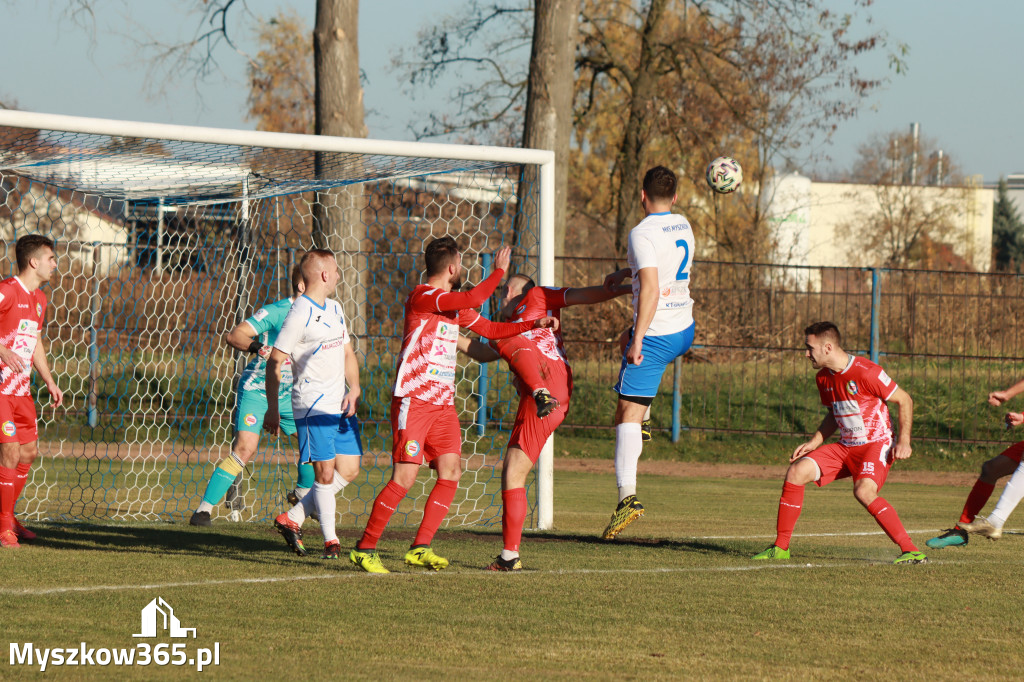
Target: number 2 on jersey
[{"x": 682, "y": 274}]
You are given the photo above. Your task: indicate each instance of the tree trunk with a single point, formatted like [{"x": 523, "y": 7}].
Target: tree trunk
[
  {"x": 337, "y": 213},
  {"x": 548, "y": 123},
  {"x": 642, "y": 86}
]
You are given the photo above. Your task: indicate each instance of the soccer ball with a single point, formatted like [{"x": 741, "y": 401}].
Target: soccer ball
[{"x": 724, "y": 175}]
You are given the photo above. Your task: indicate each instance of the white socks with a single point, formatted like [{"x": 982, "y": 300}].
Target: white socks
[
  {"x": 509, "y": 555},
  {"x": 311, "y": 502},
  {"x": 628, "y": 446},
  {"x": 1008, "y": 501}
]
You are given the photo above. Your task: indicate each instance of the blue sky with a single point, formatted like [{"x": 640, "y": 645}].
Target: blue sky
[{"x": 960, "y": 85}]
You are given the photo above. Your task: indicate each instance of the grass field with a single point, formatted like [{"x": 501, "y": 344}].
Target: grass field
[{"x": 676, "y": 596}]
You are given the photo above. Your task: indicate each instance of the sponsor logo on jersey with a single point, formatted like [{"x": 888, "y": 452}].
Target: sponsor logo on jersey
[
  {"x": 884, "y": 378},
  {"x": 851, "y": 387},
  {"x": 23, "y": 305},
  {"x": 39, "y": 309},
  {"x": 8, "y": 428},
  {"x": 412, "y": 448},
  {"x": 23, "y": 326},
  {"x": 521, "y": 309},
  {"x": 250, "y": 419},
  {"x": 260, "y": 314}
]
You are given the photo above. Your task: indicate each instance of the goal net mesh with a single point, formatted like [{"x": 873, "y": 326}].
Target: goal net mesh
[{"x": 163, "y": 246}]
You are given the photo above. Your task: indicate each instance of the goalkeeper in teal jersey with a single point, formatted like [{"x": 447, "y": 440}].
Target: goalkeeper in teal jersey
[{"x": 255, "y": 335}]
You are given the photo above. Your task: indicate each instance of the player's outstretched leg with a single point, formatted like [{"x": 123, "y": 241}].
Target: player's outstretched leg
[
  {"x": 546, "y": 403},
  {"x": 628, "y": 510},
  {"x": 984, "y": 526}
]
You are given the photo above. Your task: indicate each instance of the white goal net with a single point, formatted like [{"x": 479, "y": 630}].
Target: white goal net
[{"x": 168, "y": 236}]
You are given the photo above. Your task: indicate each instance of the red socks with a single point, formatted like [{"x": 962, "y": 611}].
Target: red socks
[
  {"x": 790, "y": 505},
  {"x": 384, "y": 506},
  {"x": 513, "y": 516},
  {"x": 9, "y": 491},
  {"x": 976, "y": 500},
  {"x": 22, "y": 478},
  {"x": 438, "y": 502},
  {"x": 889, "y": 520}
]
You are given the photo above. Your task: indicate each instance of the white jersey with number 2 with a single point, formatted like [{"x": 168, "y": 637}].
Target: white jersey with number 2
[{"x": 664, "y": 241}]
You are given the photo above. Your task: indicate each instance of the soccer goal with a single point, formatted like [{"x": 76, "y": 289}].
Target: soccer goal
[{"x": 168, "y": 236}]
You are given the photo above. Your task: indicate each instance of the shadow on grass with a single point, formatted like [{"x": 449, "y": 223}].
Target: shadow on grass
[{"x": 255, "y": 546}]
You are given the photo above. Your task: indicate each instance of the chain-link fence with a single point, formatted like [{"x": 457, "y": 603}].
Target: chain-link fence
[{"x": 948, "y": 338}]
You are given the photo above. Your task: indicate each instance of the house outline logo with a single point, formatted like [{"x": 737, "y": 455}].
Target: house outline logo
[{"x": 159, "y": 611}]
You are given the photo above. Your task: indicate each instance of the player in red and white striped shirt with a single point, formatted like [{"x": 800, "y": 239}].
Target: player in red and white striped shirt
[
  {"x": 538, "y": 361},
  {"x": 22, "y": 312},
  {"x": 855, "y": 391},
  {"x": 424, "y": 424}
]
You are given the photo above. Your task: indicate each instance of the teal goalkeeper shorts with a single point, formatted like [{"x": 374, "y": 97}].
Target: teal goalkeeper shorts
[{"x": 252, "y": 406}]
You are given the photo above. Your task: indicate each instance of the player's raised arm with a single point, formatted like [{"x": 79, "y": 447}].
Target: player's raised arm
[
  {"x": 445, "y": 301},
  {"x": 480, "y": 352},
  {"x": 470, "y": 319},
  {"x": 597, "y": 294}
]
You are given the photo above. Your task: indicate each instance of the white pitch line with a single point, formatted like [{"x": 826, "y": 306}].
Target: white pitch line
[
  {"x": 926, "y": 531},
  {"x": 30, "y": 592}
]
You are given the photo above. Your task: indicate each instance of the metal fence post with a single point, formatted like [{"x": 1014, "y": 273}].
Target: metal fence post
[
  {"x": 483, "y": 382},
  {"x": 677, "y": 397},
  {"x": 876, "y": 304}
]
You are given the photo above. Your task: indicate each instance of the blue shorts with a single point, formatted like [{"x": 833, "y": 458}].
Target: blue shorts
[
  {"x": 324, "y": 436},
  {"x": 643, "y": 380},
  {"x": 252, "y": 407}
]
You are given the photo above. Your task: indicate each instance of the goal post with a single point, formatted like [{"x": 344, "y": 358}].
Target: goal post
[{"x": 169, "y": 235}]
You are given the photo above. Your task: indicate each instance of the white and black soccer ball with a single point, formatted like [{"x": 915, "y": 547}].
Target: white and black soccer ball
[{"x": 724, "y": 174}]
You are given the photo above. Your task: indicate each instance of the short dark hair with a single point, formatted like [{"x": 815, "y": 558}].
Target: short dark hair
[
  {"x": 439, "y": 254},
  {"x": 660, "y": 183},
  {"x": 28, "y": 248},
  {"x": 827, "y": 330},
  {"x": 296, "y": 277}
]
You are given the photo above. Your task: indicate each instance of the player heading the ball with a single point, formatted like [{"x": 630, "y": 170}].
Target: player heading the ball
[{"x": 659, "y": 255}]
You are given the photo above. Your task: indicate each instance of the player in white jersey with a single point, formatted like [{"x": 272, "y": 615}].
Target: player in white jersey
[
  {"x": 659, "y": 256},
  {"x": 314, "y": 335}
]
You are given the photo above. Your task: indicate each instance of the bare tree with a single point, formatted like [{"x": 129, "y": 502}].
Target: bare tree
[
  {"x": 548, "y": 120},
  {"x": 909, "y": 206}
]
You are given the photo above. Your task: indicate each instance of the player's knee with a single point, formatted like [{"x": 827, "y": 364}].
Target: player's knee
[
  {"x": 801, "y": 472},
  {"x": 27, "y": 452},
  {"x": 324, "y": 475},
  {"x": 347, "y": 466},
  {"x": 996, "y": 468},
  {"x": 865, "y": 492}
]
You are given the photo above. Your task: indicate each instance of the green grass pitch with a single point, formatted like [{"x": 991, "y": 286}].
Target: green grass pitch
[{"x": 675, "y": 597}]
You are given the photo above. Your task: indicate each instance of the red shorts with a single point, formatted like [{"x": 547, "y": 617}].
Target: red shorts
[
  {"x": 422, "y": 432},
  {"x": 1014, "y": 452},
  {"x": 18, "y": 419},
  {"x": 836, "y": 461},
  {"x": 530, "y": 432}
]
